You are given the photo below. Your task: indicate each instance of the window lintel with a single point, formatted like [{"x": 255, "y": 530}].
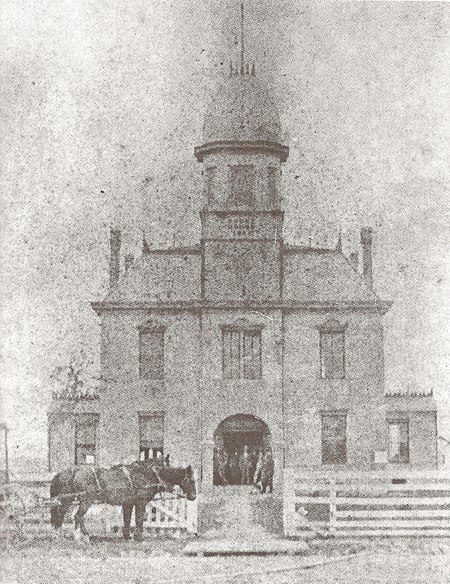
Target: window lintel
[
  {"x": 332, "y": 326},
  {"x": 151, "y": 326}
]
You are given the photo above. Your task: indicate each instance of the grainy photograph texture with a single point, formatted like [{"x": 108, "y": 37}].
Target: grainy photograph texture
[{"x": 224, "y": 292}]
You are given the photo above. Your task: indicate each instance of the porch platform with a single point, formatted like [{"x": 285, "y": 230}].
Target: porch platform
[{"x": 245, "y": 547}]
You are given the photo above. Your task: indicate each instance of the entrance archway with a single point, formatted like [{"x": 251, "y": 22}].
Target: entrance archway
[{"x": 238, "y": 436}]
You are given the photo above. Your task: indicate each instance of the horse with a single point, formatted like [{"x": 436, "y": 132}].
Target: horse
[{"x": 131, "y": 485}]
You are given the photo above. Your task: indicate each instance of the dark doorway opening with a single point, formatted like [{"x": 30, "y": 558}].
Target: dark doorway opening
[{"x": 239, "y": 441}]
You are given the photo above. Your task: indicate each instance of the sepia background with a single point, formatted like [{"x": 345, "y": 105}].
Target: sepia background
[{"x": 102, "y": 104}]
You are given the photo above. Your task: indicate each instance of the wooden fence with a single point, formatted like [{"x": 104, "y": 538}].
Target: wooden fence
[{"x": 352, "y": 504}]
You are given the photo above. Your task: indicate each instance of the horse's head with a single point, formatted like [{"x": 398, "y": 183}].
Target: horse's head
[{"x": 187, "y": 483}]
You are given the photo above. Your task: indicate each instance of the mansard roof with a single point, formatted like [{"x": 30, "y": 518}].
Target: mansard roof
[{"x": 312, "y": 278}]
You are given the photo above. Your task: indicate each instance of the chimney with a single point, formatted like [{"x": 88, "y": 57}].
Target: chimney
[
  {"x": 114, "y": 258},
  {"x": 366, "y": 241},
  {"x": 129, "y": 259},
  {"x": 354, "y": 260}
]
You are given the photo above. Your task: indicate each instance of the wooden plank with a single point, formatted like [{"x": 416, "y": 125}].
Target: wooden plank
[
  {"x": 393, "y": 501},
  {"x": 394, "y": 513},
  {"x": 396, "y": 523},
  {"x": 393, "y": 533}
]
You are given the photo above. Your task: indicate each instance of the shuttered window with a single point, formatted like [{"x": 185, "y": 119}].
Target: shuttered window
[
  {"x": 151, "y": 436},
  {"x": 334, "y": 438},
  {"x": 332, "y": 355},
  {"x": 398, "y": 435},
  {"x": 241, "y": 354},
  {"x": 242, "y": 185},
  {"x": 86, "y": 438},
  {"x": 151, "y": 354}
]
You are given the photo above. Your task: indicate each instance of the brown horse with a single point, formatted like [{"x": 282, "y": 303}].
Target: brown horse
[{"x": 131, "y": 485}]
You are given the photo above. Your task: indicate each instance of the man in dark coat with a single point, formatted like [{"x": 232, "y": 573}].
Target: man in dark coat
[
  {"x": 267, "y": 472},
  {"x": 244, "y": 465}
]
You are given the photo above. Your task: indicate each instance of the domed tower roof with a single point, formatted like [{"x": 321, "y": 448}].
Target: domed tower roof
[
  {"x": 241, "y": 115},
  {"x": 242, "y": 110}
]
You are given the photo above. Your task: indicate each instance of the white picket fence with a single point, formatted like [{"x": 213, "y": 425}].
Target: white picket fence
[
  {"x": 169, "y": 515},
  {"x": 370, "y": 504}
]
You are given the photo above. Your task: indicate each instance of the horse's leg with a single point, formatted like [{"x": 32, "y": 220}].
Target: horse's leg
[
  {"x": 79, "y": 521},
  {"x": 127, "y": 510},
  {"x": 139, "y": 518}
]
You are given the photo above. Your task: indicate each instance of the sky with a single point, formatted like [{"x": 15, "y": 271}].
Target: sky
[{"x": 102, "y": 103}]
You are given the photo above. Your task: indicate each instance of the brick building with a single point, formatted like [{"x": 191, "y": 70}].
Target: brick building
[{"x": 242, "y": 339}]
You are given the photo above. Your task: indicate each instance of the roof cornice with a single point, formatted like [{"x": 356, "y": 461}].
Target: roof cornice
[
  {"x": 243, "y": 147},
  {"x": 377, "y": 306}
]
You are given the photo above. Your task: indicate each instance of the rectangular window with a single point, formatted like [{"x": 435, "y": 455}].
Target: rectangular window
[
  {"x": 272, "y": 186},
  {"x": 242, "y": 184},
  {"x": 241, "y": 352},
  {"x": 334, "y": 438},
  {"x": 210, "y": 174},
  {"x": 398, "y": 434},
  {"x": 86, "y": 438},
  {"x": 151, "y": 436},
  {"x": 332, "y": 355},
  {"x": 151, "y": 354}
]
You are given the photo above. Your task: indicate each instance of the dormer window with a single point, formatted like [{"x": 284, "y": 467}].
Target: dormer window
[
  {"x": 332, "y": 350},
  {"x": 242, "y": 185}
]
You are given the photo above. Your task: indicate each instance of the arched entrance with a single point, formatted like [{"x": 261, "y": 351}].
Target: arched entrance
[{"x": 238, "y": 436}]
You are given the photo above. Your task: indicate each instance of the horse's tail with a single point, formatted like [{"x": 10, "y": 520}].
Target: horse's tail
[{"x": 55, "y": 489}]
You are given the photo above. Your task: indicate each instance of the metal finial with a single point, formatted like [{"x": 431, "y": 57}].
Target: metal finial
[
  {"x": 253, "y": 70},
  {"x": 242, "y": 38}
]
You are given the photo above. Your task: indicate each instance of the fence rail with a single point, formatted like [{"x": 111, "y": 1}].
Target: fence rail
[{"x": 367, "y": 503}]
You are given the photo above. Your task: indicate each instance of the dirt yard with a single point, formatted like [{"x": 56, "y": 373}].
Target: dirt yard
[{"x": 162, "y": 562}]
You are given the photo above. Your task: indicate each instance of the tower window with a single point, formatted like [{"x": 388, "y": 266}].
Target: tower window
[
  {"x": 272, "y": 186},
  {"x": 241, "y": 352},
  {"x": 151, "y": 354},
  {"x": 86, "y": 438},
  {"x": 210, "y": 175},
  {"x": 334, "y": 438},
  {"x": 151, "y": 436},
  {"x": 242, "y": 226},
  {"x": 242, "y": 185},
  {"x": 398, "y": 436}
]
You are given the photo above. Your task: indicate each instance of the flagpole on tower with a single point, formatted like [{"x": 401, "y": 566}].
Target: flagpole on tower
[{"x": 242, "y": 38}]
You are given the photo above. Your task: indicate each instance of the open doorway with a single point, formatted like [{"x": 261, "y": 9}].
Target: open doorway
[{"x": 239, "y": 441}]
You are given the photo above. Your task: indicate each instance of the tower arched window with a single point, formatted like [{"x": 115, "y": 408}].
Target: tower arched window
[{"x": 242, "y": 185}]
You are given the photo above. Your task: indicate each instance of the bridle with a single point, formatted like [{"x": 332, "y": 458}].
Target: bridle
[{"x": 164, "y": 487}]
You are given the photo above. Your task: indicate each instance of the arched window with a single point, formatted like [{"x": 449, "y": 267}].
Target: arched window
[{"x": 332, "y": 349}]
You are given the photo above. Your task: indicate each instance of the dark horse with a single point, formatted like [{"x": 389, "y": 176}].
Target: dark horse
[{"x": 131, "y": 485}]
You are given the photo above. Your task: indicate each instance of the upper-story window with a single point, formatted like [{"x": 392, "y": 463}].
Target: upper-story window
[
  {"x": 242, "y": 185},
  {"x": 332, "y": 350},
  {"x": 86, "y": 438},
  {"x": 398, "y": 437},
  {"x": 210, "y": 176},
  {"x": 272, "y": 186},
  {"x": 242, "y": 226},
  {"x": 241, "y": 353},
  {"x": 151, "y": 353}
]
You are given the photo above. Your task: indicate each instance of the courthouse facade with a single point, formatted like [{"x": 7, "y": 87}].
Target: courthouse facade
[{"x": 243, "y": 339}]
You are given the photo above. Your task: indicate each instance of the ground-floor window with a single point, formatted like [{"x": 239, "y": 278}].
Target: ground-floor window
[
  {"x": 151, "y": 436},
  {"x": 334, "y": 438},
  {"x": 398, "y": 437},
  {"x": 86, "y": 438}
]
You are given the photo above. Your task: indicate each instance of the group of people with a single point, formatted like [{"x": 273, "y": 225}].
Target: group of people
[{"x": 247, "y": 467}]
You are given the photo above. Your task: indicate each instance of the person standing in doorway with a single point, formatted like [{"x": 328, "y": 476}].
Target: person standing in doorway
[
  {"x": 267, "y": 472},
  {"x": 244, "y": 465},
  {"x": 258, "y": 468}
]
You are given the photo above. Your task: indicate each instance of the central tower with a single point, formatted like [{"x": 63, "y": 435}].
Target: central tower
[{"x": 242, "y": 218}]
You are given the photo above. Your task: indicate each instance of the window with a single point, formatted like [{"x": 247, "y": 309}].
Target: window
[
  {"x": 151, "y": 353},
  {"x": 85, "y": 438},
  {"x": 398, "y": 435},
  {"x": 332, "y": 350},
  {"x": 242, "y": 184},
  {"x": 241, "y": 354},
  {"x": 242, "y": 226},
  {"x": 272, "y": 186},
  {"x": 210, "y": 175},
  {"x": 334, "y": 438},
  {"x": 151, "y": 436}
]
